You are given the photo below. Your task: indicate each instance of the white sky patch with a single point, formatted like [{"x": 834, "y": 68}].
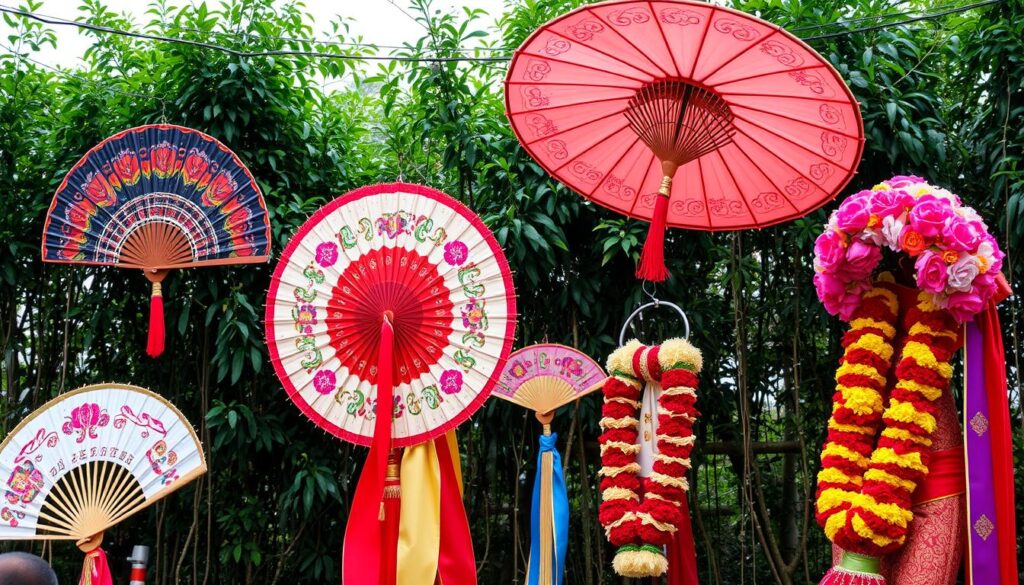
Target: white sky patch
[{"x": 378, "y": 22}]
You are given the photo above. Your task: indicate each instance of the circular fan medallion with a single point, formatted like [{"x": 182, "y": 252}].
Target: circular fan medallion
[{"x": 424, "y": 261}]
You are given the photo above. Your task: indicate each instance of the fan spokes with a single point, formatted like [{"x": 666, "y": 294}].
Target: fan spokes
[
  {"x": 156, "y": 244},
  {"x": 680, "y": 121},
  {"x": 89, "y": 499}
]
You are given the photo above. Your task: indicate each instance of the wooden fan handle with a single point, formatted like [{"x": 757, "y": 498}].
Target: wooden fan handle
[
  {"x": 90, "y": 543},
  {"x": 155, "y": 276},
  {"x": 545, "y": 419}
]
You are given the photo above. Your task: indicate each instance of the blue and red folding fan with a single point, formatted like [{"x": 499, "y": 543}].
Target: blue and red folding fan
[{"x": 157, "y": 197}]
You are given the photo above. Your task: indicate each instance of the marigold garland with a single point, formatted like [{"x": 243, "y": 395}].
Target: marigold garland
[
  {"x": 640, "y": 515},
  {"x": 865, "y": 487}
]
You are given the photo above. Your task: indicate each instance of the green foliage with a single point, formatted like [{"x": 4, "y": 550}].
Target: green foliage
[{"x": 941, "y": 98}]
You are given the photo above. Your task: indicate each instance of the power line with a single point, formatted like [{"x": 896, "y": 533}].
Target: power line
[
  {"x": 69, "y": 75},
  {"x": 927, "y": 16},
  {"x": 862, "y": 19},
  {"x": 312, "y": 41},
  {"x": 423, "y": 59},
  {"x": 235, "y": 52}
]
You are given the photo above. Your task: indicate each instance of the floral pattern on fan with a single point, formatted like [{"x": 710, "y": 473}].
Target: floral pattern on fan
[
  {"x": 158, "y": 175},
  {"x": 143, "y": 420},
  {"x": 85, "y": 421},
  {"x": 25, "y": 483}
]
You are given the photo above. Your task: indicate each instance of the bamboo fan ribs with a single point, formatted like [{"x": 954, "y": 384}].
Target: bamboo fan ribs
[{"x": 679, "y": 122}]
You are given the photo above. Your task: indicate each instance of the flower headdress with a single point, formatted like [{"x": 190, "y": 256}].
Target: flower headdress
[{"x": 957, "y": 260}]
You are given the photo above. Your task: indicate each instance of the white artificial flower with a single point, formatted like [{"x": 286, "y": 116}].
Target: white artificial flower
[
  {"x": 961, "y": 274},
  {"x": 871, "y": 235},
  {"x": 892, "y": 228}
]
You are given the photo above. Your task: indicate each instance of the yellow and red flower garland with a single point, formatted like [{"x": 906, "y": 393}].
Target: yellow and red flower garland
[
  {"x": 642, "y": 515},
  {"x": 865, "y": 488}
]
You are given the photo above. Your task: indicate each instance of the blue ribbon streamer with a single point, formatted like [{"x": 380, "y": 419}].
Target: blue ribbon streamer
[{"x": 559, "y": 511}]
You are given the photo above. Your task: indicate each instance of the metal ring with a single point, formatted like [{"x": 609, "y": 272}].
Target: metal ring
[{"x": 655, "y": 303}]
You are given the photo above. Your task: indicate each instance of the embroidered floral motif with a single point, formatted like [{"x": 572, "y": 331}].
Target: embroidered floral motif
[
  {"x": 393, "y": 224},
  {"x": 163, "y": 461},
  {"x": 451, "y": 382},
  {"x": 474, "y": 317},
  {"x": 455, "y": 253},
  {"x": 324, "y": 381},
  {"x": 25, "y": 482},
  {"x": 85, "y": 420},
  {"x": 979, "y": 423},
  {"x": 327, "y": 254},
  {"x": 11, "y": 517}
]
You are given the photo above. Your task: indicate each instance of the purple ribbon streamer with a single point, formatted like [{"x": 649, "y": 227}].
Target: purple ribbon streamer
[{"x": 981, "y": 517}]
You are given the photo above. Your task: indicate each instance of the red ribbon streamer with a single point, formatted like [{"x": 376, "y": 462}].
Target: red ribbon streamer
[
  {"x": 456, "y": 561},
  {"x": 362, "y": 554},
  {"x": 682, "y": 553}
]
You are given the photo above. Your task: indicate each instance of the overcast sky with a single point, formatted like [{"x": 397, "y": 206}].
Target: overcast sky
[{"x": 378, "y": 21}]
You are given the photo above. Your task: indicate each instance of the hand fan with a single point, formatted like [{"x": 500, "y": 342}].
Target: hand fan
[
  {"x": 157, "y": 197},
  {"x": 89, "y": 459},
  {"x": 388, "y": 319},
  {"x": 542, "y": 378},
  {"x": 546, "y": 376}
]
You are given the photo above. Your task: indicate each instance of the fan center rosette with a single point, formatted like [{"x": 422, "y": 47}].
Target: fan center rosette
[{"x": 424, "y": 261}]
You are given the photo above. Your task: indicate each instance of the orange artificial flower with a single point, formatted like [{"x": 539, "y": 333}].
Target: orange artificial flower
[{"x": 912, "y": 242}]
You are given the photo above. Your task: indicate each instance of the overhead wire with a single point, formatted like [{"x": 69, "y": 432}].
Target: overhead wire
[{"x": 58, "y": 21}]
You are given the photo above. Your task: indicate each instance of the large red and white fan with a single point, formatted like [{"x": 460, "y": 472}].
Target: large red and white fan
[
  {"x": 91, "y": 458},
  {"x": 389, "y": 317},
  {"x": 157, "y": 198},
  {"x": 413, "y": 255}
]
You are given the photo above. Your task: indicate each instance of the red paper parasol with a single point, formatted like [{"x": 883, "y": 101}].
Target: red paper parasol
[{"x": 736, "y": 122}]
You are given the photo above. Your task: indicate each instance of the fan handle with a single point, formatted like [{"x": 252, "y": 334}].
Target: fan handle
[
  {"x": 90, "y": 543},
  {"x": 545, "y": 419}
]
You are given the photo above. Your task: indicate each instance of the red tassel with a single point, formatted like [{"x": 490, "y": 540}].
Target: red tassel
[
  {"x": 155, "y": 343},
  {"x": 95, "y": 570},
  {"x": 652, "y": 258}
]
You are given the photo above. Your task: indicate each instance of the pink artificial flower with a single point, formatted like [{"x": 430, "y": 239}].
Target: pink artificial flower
[
  {"x": 931, "y": 272},
  {"x": 836, "y": 298},
  {"x": 962, "y": 234},
  {"x": 829, "y": 251},
  {"x": 985, "y": 285},
  {"x": 854, "y": 214},
  {"x": 890, "y": 203},
  {"x": 991, "y": 255},
  {"x": 929, "y": 216},
  {"x": 900, "y": 181},
  {"x": 892, "y": 228},
  {"x": 965, "y": 305},
  {"x": 861, "y": 259}
]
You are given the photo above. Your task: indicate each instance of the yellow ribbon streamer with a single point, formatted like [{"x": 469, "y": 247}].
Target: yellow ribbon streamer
[{"x": 419, "y": 532}]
